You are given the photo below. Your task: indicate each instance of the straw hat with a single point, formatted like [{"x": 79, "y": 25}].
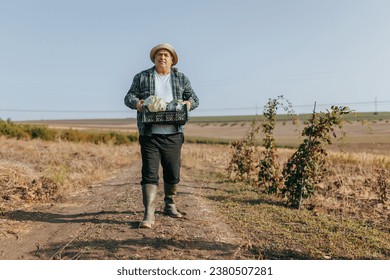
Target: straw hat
[{"x": 167, "y": 47}]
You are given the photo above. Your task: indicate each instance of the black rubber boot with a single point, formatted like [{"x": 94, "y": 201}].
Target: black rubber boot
[
  {"x": 170, "y": 191},
  {"x": 149, "y": 192}
]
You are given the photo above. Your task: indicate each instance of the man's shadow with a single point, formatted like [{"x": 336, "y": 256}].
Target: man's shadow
[{"x": 88, "y": 217}]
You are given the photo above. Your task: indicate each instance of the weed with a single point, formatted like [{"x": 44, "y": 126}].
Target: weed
[
  {"x": 382, "y": 187},
  {"x": 242, "y": 166},
  {"x": 58, "y": 173}
]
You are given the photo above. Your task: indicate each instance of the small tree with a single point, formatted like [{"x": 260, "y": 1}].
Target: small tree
[
  {"x": 242, "y": 165},
  {"x": 270, "y": 174},
  {"x": 307, "y": 166}
]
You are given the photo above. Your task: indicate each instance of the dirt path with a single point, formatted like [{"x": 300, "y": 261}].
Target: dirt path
[{"x": 102, "y": 223}]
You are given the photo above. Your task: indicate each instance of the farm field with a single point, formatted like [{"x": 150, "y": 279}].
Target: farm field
[
  {"x": 372, "y": 137},
  {"x": 62, "y": 200}
]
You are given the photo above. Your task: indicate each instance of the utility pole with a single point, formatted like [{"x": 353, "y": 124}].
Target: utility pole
[{"x": 376, "y": 107}]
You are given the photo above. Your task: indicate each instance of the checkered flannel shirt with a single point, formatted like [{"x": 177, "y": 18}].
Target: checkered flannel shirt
[{"x": 143, "y": 86}]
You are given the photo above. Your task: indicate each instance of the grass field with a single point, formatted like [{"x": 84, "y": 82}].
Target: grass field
[
  {"x": 348, "y": 218},
  {"x": 373, "y": 136},
  {"x": 345, "y": 220}
]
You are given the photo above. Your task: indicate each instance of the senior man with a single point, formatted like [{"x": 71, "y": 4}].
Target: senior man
[{"x": 160, "y": 142}]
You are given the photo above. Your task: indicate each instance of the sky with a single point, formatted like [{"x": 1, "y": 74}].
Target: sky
[{"x": 77, "y": 59}]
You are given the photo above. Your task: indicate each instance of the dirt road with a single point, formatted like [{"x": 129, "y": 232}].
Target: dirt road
[{"x": 102, "y": 223}]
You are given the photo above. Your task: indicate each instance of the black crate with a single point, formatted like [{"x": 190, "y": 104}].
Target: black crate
[{"x": 165, "y": 117}]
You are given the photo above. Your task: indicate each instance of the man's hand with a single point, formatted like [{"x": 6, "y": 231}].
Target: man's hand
[
  {"x": 188, "y": 104},
  {"x": 139, "y": 105}
]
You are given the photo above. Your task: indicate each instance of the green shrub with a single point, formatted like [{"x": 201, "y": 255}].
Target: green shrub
[
  {"x": 22, "y": 131},
  {"x": 11, "y": 130},
  {"x": 40, "y": 132}
]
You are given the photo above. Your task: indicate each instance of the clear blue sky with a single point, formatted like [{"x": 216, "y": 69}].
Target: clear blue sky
[{"x": 66, "y": 59}]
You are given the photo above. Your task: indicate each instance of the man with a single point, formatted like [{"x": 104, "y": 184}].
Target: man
[{"x": 162, "y": 142}]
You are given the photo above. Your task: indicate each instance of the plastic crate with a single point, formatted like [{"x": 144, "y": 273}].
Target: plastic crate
[{"x": 165, "y": 117}]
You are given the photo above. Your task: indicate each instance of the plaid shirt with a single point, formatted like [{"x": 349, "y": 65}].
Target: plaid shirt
[{"x": 143, "y": 86}]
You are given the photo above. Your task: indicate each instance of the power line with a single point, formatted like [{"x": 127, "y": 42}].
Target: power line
[
  {"x": 200, "y": 109},
  {"x": 298, "y": 106},
  {"x": 63, "y": 111},
  {"x": 345, "y": 103}
]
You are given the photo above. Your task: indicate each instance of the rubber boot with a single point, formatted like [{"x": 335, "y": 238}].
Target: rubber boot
[
  {"x": 149, "y": 192},
  {"x": 170, "y": 191}
]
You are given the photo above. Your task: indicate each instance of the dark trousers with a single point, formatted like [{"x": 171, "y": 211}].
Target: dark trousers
[{"x": 165, "y": 149}]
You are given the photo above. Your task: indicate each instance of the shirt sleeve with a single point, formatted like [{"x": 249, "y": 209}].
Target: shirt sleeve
[
  {"x": 189, "y": 94},
  {"x": 132, "y": 96}
]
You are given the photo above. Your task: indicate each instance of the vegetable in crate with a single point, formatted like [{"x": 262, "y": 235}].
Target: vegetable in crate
[{"x": 155, "y": 104}]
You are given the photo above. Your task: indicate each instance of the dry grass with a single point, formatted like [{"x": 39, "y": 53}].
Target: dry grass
[
  {"x": 345, "y": 220},
  {"x": 353, "y": 187},
  {"x": 37, "y": 171}
]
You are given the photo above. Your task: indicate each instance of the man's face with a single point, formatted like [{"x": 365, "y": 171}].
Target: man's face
[{"x": 163, "y": 58}]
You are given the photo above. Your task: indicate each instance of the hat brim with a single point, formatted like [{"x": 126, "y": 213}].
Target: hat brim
[{"x": 167, "y": 47}]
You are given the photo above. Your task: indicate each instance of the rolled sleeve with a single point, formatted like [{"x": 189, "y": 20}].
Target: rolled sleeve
[
  {"x": 190, "y": 95},
  {"x": 132, "y": 96}
]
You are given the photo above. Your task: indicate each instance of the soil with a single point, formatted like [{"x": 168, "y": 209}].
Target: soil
[{"x": 102, "y": 223}]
